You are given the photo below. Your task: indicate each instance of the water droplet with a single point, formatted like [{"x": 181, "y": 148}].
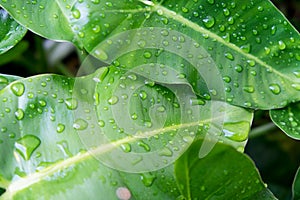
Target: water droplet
[
  {"x": 209, "y": 21},
  {"x": 246, "y": 48},
  {"x": 238, "y": 68},
  {"x": 113, "y": 100},
  {"x": 251, "y": 63},
  {"x": 227, "y": 79},
  {"x": 3, "y": 80},
  {"x": 195, "y": 101},
  {"x": 148, "y": 179},
  {"x": 161, "y": 109},
  {"x": 123, "y": 193},
  {"x": 166, "y": 152},
  {"x": 80, "y": 124},
  {"x": 275, "y": 88},
  {"x": 229, "y": 56},
  {"x": 144, "y": 145},
  {"x": 148, "y": 124},
  {"x": 226, "y": 12},
  {"x": 260, "y": 8},
  {"x": 101, "y": 123},
  {"x": 237, "y": 131},
  {"x": 184, "y": 9},
  {"x": 96, "y": 29},
  {"x": 19, "y": 114},
  {"x": 60, "y": 128},
  {"x": 267, "y": 50},
  {"x": 42, "y": 103},
  {"x": 296, "y": 86},
  {"x": 18, "y": 89},
  {"x": 143, "y": 95},
  {"x": 71, "y": 103},
  {"x": 249, "y": 89},
  {"x": 297, "y": 73},
  {"x": 147, "y": 54},
  {"x": 126, "y": 147},
  {"x": 95, "y": 1},
  {"x": 230, "y": 20},
  {"x": 101, "y": 54},
  {"x": 76, "y": 13},
  {"x": 26, "y": 145},
  {"x": 281, "y": 45},
  {"x": 273, "y": 30}
]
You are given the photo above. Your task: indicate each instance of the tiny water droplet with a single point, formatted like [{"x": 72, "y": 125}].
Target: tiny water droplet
[
  {"x": 209, "y": 21},
  {"x": 113, "y": 100},
  {"x": 147, "y": 54},
  {"x": 275, "y": 88},
  {"x": 227, "y": 79},
  {"x": 101, "y": 123},
  {"x": 60, "y": 128},
  {"x": 249, "y": 89},
  {"x": 211, "y": 1},
  {"x": 19, "y": 114},
  {"x": 18, "y": 89},
  {"x": 71, "y": 103},
  {"x": 26, "y": 145},
  {"x": 229, "y": 56},
  {"x": 281, "y": 45},
  {"x": 126, "y": 147},
  {"x": 80, "y": 124},
  {"x": 238, "y": 68},
  {"x": 143, "y": 95}
]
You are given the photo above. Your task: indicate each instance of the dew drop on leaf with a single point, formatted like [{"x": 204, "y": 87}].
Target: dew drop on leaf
[
  {"x": 143, "y": 95},
  {"x": 166, "y": 152},
  {"x": 275, "y": 88},
  {"x": 19, "y": 114},
  {"x": 209, "y": 21},
  {"x": 147, "y": 54},
  {"x": 281, "y": 45},
  {"x": 76, "y": 13},
  {"x": 3, "y": 80},
  {"x": 249, "y": 89},
  {"x": 80, "y": 124},
  {"x": 144, "y": 146},
  {"x": 126, "y": 147},
  {"x": 18, "y": 89},
  {"x": 113, "y": 100},
  {"x": 148, "y": 179},
  {"x": 229, "y": 56},
  {"x": 71, "y": 103},
  {"x": 237, "y": 131},
  {"x": 26, "y": 145},
  {"x": 60, "y": 128},
  {"x": 296, "y": 86},
  {"x": 101, "y": 123}
]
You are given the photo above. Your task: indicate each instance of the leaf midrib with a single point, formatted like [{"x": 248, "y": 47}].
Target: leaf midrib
[
  {"x": 33, "y": 178},
  {"x": 198, "y": 28}
]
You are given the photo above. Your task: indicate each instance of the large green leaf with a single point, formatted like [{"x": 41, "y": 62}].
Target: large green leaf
[
  {"x": 10, "y": 32},
  {"x": 45, "y": 122},
  {"x": 223, "y": 174},
  {"x": 296, "y": 186},
  {"x": 288, "y": 120},
  {"x": 248, "y": 43}
]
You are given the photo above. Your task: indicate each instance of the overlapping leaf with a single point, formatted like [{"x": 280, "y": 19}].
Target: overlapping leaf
[
  {"x": 42, "y": 134},
  {"x": 249, "y": 43},
  {"x": 10, "y": 32}
]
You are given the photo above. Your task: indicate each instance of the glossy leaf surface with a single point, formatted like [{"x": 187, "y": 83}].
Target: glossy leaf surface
[
  {"x": 288, "y": 120},
  {"x": 247, "y": 42},
  {"x": 43, "y": 121},
  {"x": 231, "y": 175},
  {"x": 10, "y": 32}
]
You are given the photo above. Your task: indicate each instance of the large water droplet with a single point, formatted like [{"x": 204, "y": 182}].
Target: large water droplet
[
  {"x": 237, "y": 131},
  {"x": 26, "y": 145},
  {"x": 148, "y": 179},
  {"x": 209, "y": 21},
  {"x": 80, "y": 124},
  {"x": 18, "y": 89},
  {"x": 275, "y": 88}
]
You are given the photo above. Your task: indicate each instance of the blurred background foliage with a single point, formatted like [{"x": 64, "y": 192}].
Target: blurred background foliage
[{"x": 276, "y": 155}]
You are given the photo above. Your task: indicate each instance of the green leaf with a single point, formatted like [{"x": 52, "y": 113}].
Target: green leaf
[
  {"x": 51, "y": 133},
  {"x": 223, "y": 174},
  {"x": 288, "y": 120},
  {"x": 11, "y": 55},
  {"x": 245, "y": 44},
  {"x": 296, "y": 186},
  {"x": 6, "y": 80},
  {"x": 10, "y": 32}
]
